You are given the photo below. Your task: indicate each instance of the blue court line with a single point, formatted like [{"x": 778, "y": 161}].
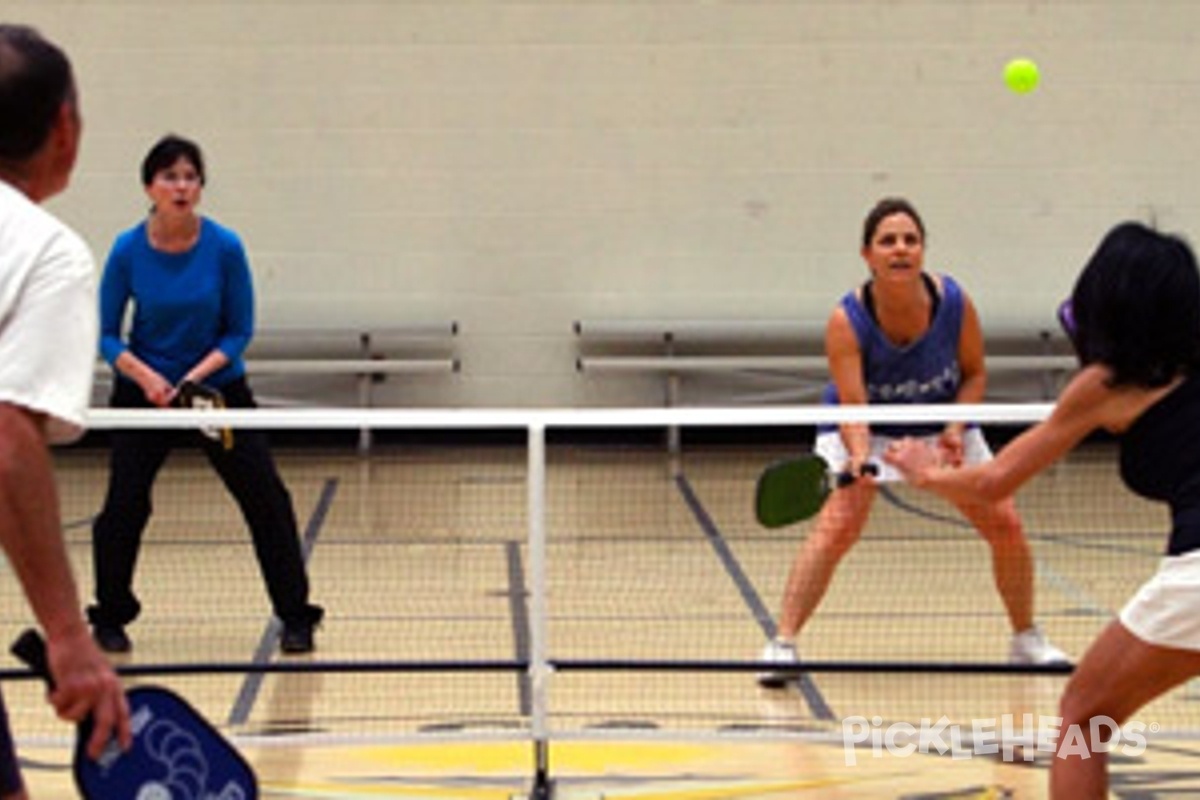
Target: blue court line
[
  {"x": 519, "y": 611},
  {"x": 887, "y": 494},
  {"x": 252, "y": 685},
  {"x": 1076, "y": 593},
  {"x": 812, "y": 695},
  {"x": 1079, "y": 542}
]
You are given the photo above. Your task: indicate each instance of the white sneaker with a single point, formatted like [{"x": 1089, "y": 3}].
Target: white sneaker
[
  {"x": 777, "y": 651},
  {"x": 1031, "y": 647}
]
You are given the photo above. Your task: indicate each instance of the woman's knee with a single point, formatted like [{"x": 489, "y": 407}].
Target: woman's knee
[
  {"x": 998, "y": 524},
  {"x": 1082, "y": 702},
  {"x": 1076, "y": 706},
  {"x": 839, "y": 528}
]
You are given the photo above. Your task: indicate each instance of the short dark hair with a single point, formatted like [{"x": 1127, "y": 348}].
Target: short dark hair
[
  {"x": 35, "y": 80},
  {"x": 1136, "y": 307},
  {"x": 886, "y": 208},
  {"x": 166, "y": 151}
]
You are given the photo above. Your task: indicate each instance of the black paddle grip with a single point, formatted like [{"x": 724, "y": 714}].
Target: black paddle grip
[
  {"x": 846, "y": 477},
  {"x": 30, "y": 648}
]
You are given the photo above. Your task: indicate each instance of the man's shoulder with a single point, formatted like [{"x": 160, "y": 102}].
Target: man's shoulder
[
  {"x": 28, "y": 228},
  {"x": 21, "y": 216}
]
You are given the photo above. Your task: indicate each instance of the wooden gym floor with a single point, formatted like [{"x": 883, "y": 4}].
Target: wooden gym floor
[{"x": 419, "y": 553}]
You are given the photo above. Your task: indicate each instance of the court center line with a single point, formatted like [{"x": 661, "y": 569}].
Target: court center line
[
  {"x": 252, "y": 684},
  {"x": 806, "y": 686}
]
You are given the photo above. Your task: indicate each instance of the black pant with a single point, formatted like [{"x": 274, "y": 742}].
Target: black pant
[
  {"x": 10, "y": 769},
  {"x": 248, "y": 472}
]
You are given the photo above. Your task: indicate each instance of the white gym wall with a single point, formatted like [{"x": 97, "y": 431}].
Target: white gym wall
[{"x": 516, "y": 166}]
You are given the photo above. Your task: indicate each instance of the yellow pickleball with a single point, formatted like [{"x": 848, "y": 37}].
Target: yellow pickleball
[{"x": 1021, "y": 75}]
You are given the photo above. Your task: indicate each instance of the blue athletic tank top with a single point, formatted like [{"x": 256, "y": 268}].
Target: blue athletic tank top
[
  {"x": 924, "y": 371},
  {"x": 1160, "y": 460}
]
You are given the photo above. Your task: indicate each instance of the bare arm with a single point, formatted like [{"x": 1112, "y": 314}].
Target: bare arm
[
  {"x": 214, "y": 361},
  {"x": 973, "y": 382},
  {"x": 29, "y": 525},
  {"x": 845, "y": 367},
  {"x": 1087, "y": 404},
  {"x": 157, "y": 389},
  {"x": 970, "y": 356},
  {"x": 31, "y": 536}
]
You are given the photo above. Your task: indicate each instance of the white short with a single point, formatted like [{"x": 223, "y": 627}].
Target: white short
[
  {"x": 832, "y": 448},
  {"x": 1166, "y": 609}
]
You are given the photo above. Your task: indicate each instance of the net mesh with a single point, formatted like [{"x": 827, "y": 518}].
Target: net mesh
[{"x": 656, "y": 587}]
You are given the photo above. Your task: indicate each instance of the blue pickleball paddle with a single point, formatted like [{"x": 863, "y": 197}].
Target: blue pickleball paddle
[{"x": 176, "y": 754}]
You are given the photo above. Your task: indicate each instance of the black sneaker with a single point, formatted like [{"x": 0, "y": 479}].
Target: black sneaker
[
  {"x": 297, "y": 638},
  {"x": 112, "y": 638}
]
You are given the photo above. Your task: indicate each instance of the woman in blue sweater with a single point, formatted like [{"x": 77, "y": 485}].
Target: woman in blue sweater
[
  {"x": 904, "y": 336},
  {"x": 188, "y": 280}
]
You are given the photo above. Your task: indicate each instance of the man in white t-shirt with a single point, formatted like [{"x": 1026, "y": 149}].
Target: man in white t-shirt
[{"x": 48, "y": 335}]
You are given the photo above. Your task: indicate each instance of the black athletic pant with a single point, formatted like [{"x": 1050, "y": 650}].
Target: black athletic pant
[
  {"x": 248, "y": 472},
  {"x": 10, "y": 770}
]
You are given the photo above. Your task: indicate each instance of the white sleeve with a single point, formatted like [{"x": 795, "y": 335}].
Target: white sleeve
[{"x": 48, "y": 336}]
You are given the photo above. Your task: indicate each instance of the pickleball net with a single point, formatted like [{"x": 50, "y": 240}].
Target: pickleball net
[{"x": 544, "y": 575}]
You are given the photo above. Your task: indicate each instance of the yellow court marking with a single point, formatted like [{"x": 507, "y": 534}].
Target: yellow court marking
[
  {"x": 575, "y": 757},
  {"x": 580, "y": 771},
  {"x": 633, "y": 770},
  {"x": 341, "y": 792},
  {"x": 734, "y": 790},
  {"x": 720, "y": 790}
]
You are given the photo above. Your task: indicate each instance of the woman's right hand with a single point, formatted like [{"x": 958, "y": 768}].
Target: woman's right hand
[
  {"x": 157, "y": 389},
  {"x": 858, "y": 466}
]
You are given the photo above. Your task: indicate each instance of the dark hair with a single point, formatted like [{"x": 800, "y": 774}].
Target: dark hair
[
  {"x": 166, "y": 151},
  {"x": 886, "y": 208},
  {"x": 1136, "y": 307},
  {"x": 35, "y": 81}
]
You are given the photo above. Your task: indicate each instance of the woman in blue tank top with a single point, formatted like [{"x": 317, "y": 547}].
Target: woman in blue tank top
[
  {"x": 904, "y": 336},
  {"x": 1134, "y": 317}
]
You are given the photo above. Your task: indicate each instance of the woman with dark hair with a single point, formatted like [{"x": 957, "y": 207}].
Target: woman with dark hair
[
  {"x": 903, "y": 336},
  {"x": 189, "y": 281},
  {"x": 1134, "y": 318}
]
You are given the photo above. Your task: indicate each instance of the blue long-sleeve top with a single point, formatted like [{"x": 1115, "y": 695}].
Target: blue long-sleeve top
[{"x": 185, "y": 305}]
